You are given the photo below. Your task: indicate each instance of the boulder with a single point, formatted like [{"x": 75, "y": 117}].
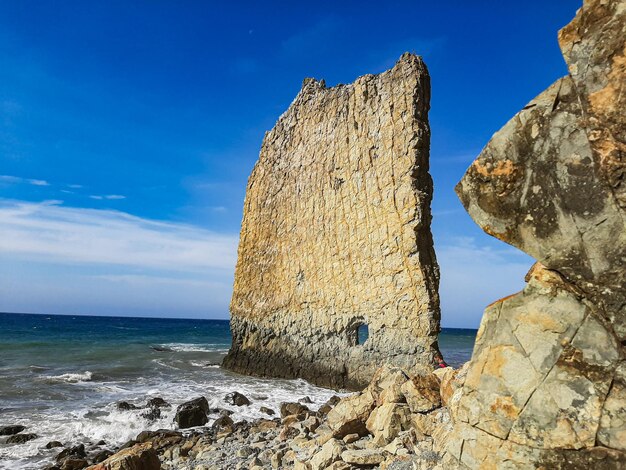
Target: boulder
[
  {"x": 157, "y": 402},
  {"x": 223, "y": 424},
  {"x": 101, "y": 456},
  {"x": 237, "y": 399},
  {"x": 423, "y": 423},
  {"x": 363, "y": 457},
  {"x": 350, "y": 414},
  {"x": 159, "y": 439},
  {"x": 422, "y": 393},
  {"x": 76, "y": 452},
  {"x": 125, "y": 406},
  {"x": 386, "y": 385},
  {"x": 329, "y": 453},
  {"x": 10, "y": 430},
  {"x": 267, "y": 411},
  {"x": 387, "y": 421},
  {"x": 192, "y": 413},
  {"x": 74, "y": 464},
  {"x": 326, "y": 407},
  {"x": 152, "y": 414},
  {"x": 21, "y": 438},
  {"x": 451, "y": 380},
  {"x": 138, "y": 457},
  {"x": 288, "y": 409}
]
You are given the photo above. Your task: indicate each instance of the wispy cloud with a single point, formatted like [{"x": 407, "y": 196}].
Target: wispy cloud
[
  {"x": 8, "y": 179},
  {"x": 475, "y": 275},
  {"x": 51, "y": 232},
  {"x": 111, "y": 197}
]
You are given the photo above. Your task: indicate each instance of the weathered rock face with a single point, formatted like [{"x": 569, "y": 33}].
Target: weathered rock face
[
  {"x": 546, "y": 384},
  {"x": 336, "y": 234}
]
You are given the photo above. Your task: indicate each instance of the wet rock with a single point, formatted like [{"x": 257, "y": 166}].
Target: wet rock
[
  {"x": 76, "y": 453},
  {"x": 267, "y": 411},
  {"x": 223, "y": 423},
  {"x": 101, "y": 456},
  {"x": 125, "y": 406},
  {"x": 326, "y": 407},
  {"x": 53, "y": 444},
  {"x": 10, "y": 430},
  {"x": 306, "y": 400},
  {"x": 74, "y": 464},
  {"x": 21, "y": 438},
  {"x": 128, "y": 444},
  {"x": 192, "y": 413},
  {"x": 145, "y": 436},
  {"x": 152, "y": 414},
  {"x": 237, "y": 399},
  {"x": 157, "y": 402},
  {"x": 138, "y": 457},
  {"x": 288, "y": 409}
]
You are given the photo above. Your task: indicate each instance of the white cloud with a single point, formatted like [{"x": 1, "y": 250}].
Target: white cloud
[
  {"x": 473, "y": 276},
  {"x": 10, "y": 179},
  {"x": 110, "y": 197},
  {"x": 17, "y": 180},
  {"x": 54, "y": 233},
  {"x": 58, "y": 259}
]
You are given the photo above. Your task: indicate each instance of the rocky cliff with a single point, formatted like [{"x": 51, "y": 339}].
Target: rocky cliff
[
  {"x": 546, "y": 387},
  {"x": 336, "y": 234}
]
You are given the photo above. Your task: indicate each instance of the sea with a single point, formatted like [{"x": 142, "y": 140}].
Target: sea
[{"x": 62, "y": 376}]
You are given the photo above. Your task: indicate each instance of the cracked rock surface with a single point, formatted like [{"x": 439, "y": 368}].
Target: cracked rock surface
[
  {"x": 546, "y": 384},
  {"x": 336, "y": 234}
]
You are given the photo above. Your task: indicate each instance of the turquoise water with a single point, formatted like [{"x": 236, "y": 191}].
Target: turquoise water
[{"x": 62, "y": 375}]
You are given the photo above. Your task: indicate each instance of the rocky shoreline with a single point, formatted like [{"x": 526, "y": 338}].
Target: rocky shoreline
[{"x": 397, "y": 422}]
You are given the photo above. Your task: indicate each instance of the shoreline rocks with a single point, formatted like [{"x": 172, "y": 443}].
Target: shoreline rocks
[{"x": 389, "y": 436}]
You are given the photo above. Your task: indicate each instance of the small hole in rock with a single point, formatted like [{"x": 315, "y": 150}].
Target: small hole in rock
[{"x": 362, "y": 333}]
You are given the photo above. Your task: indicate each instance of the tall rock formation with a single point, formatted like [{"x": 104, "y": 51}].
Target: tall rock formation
[
  {"x": 336, "y": 234},
  {"x": 546, "y": 386}
]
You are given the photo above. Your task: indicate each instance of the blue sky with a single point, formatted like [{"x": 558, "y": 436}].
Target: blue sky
[{"x": 128, "y": 131}]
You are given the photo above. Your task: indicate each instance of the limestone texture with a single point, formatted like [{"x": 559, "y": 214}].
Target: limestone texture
[
  {"x": 545, "y": 387},
  {"x": 336, "y": 234}
]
